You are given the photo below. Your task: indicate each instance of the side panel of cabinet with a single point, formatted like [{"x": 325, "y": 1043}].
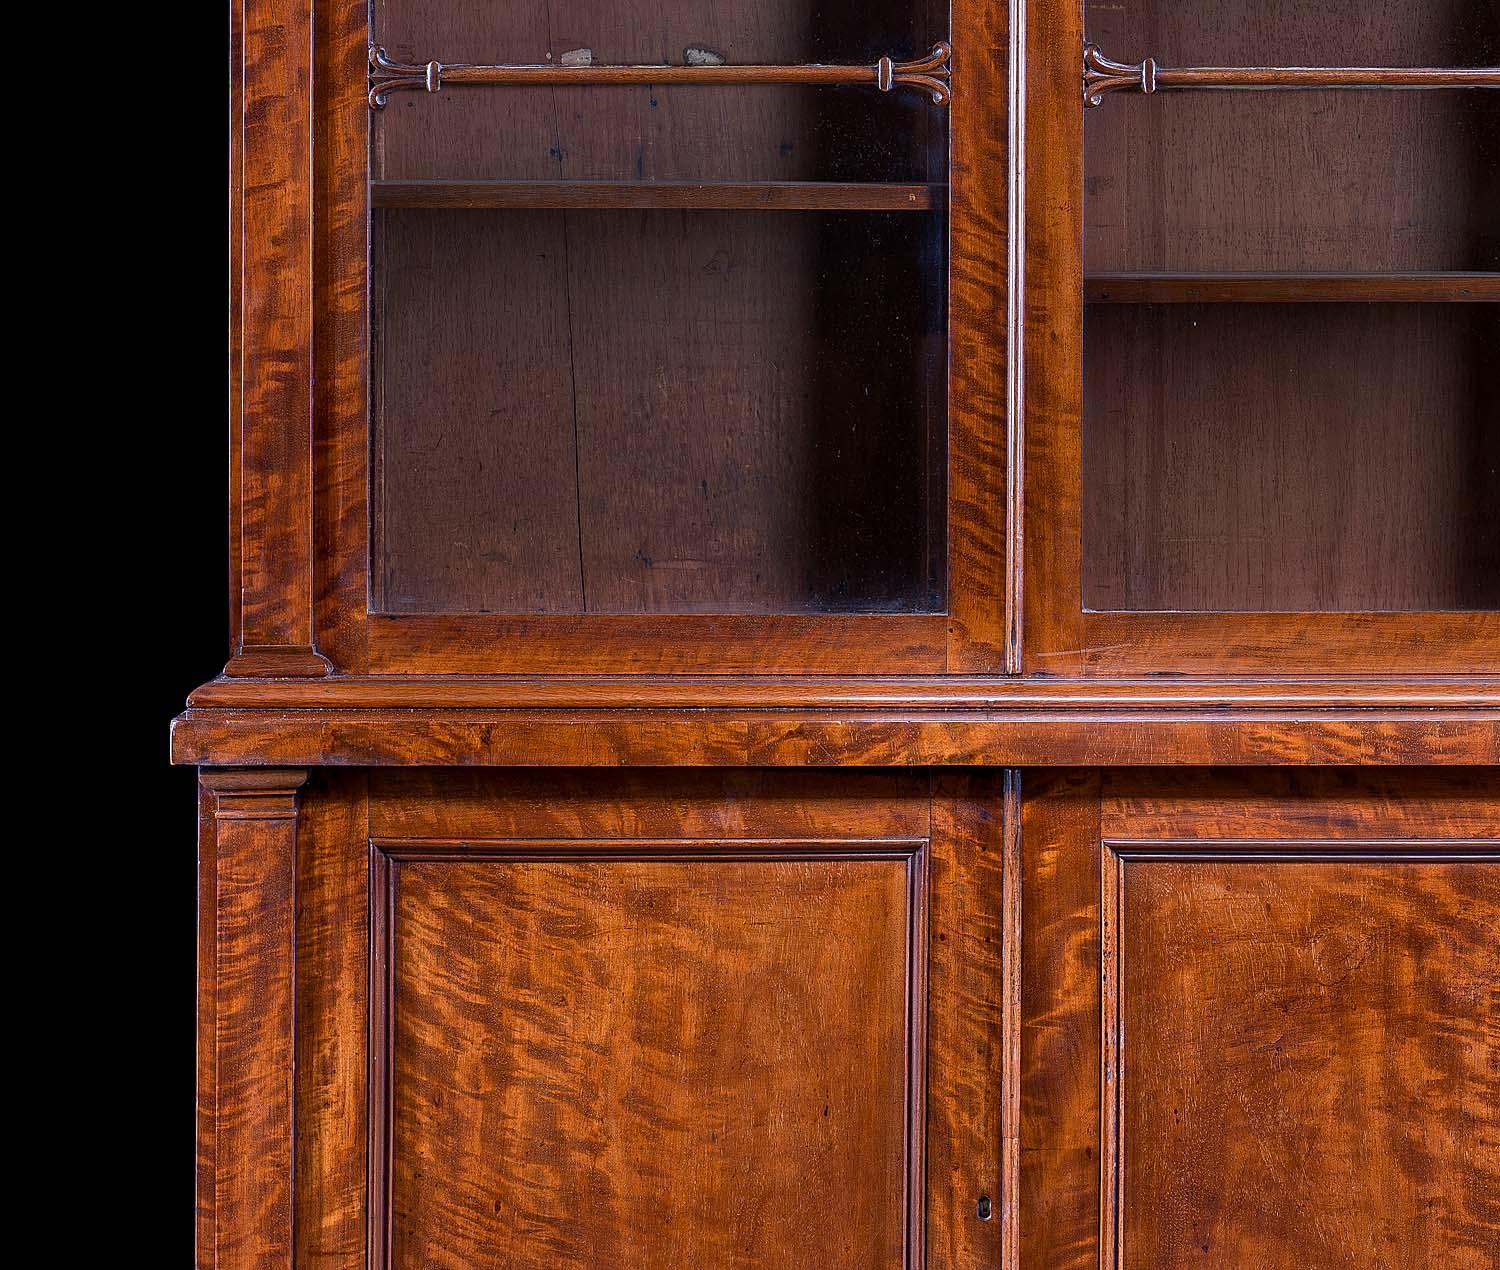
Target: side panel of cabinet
[
  {"x": 1261, "y": 1021},
  {"x": 666, "y": 1019}
]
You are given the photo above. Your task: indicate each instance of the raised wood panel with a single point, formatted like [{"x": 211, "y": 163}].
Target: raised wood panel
[
  {"x": 1300, "y": 1054},
  {"x": 676, "y": 1061},
  {"x": 658, "y": 1018},
  {"x": 1259, "y": 1020}
]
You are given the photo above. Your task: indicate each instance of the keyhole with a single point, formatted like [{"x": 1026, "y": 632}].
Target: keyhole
[{"x": 984, "y": 1208}]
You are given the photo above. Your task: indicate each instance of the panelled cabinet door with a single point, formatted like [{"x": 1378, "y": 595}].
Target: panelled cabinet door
[
  {"x": 1263, "y": 431},
  {"x": 666, "y": 1020},
  {"x": 1261, "y": 1021},
  {"x": 681, "y": 346}
]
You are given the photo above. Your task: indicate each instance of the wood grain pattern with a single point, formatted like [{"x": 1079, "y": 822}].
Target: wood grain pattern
[
  {"x": 333, "y": 914},
  {"x": 341, "y": 333},
  {"x": 968, "y": 1021},
  {"x": 1064, "y": 639},
  {"x": 413, "y": 803},
  {"x": 772, "y": 739},
  {"x": 1351, "y": 802},
  {"x": 1307, "y": 644},
  {"x": 1328, "y": 1027},
  {"x": 893, "y": 695},
  {"x": 1050, "y": 169},
  {"x": 1285, "y": 973},
  {"x": 205, "y": 1175},
  {"x": 1058, "y": 1220},
  {"x": 657, "y": 643},
  {"x": 977, "y": 453},
  {"x": 274, "y": 396},
  {"x": 252, "y": 1016},
  {"x": 569, "y": 1035}
]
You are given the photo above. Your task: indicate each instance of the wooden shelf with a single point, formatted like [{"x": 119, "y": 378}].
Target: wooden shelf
[
  {"x": 1290, "y": 288},
  {"x": 705, "y": 195}
]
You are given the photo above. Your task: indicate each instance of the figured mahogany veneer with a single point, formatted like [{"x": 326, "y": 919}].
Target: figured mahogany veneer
[
  {"x": 818, "y": 681},
  {"x": 1254, "y": 1025},
  {"x": 662, "y": 1019},
  {"x": 846, "y": 722}
]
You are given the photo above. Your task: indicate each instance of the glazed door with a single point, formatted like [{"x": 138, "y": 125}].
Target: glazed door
[
  {"x": 1263, "y": 433},
  {"x": 1260, "y": 1020},
  {"x": 672, "y": 1020},
  {"x": 682, "y": 342}
]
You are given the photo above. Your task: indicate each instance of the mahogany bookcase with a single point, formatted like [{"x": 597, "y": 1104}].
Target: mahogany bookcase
[{"x": 864, "y": 635}]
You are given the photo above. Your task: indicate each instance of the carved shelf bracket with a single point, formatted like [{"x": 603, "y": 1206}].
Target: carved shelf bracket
[
  {"x": 1101, "y": 76},
  {"x": 931, "y": 74}
]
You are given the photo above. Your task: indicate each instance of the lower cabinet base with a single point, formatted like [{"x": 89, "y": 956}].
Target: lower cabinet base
[{"x": 848, "y": 1019}]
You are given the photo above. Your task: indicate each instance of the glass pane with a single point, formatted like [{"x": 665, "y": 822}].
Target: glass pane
[
  {"x": 598, "y": 389},
  {"x": 1289, "y": 388},
  {"x": 1367, "y": 181},
  {"x": 1307, "y": 457},
  {"x": 660, "y": 132}
]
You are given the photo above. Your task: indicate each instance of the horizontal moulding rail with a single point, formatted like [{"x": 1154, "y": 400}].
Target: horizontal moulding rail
[
  {"x": 1101, "y": 75},
  {"x": 930, "y": 74}
]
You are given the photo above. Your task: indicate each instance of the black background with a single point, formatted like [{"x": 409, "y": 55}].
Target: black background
[{"x": 136, "y": 281}]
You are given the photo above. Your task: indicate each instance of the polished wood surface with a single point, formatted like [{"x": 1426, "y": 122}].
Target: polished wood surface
[
  {"x": 880, "y": 723},
  {"x": 272, "y": 310},
  {"x": 1283, "y": 973},
  {"x": 581, "y": 980},
  {"x": 247, "y": 1011},
  {"x": 664, "y": 1054},
  {"x": 683, "y": 793},
  {"x": 333, "y": 915},
  {"x": 1313, "y": 1014},
  {"x": 1244, "y": 626}
]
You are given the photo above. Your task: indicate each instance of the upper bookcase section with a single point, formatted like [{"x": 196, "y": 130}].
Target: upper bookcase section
[
  {"x": 1262, "y": 434},
  {"x": 683, "y": 346}
]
